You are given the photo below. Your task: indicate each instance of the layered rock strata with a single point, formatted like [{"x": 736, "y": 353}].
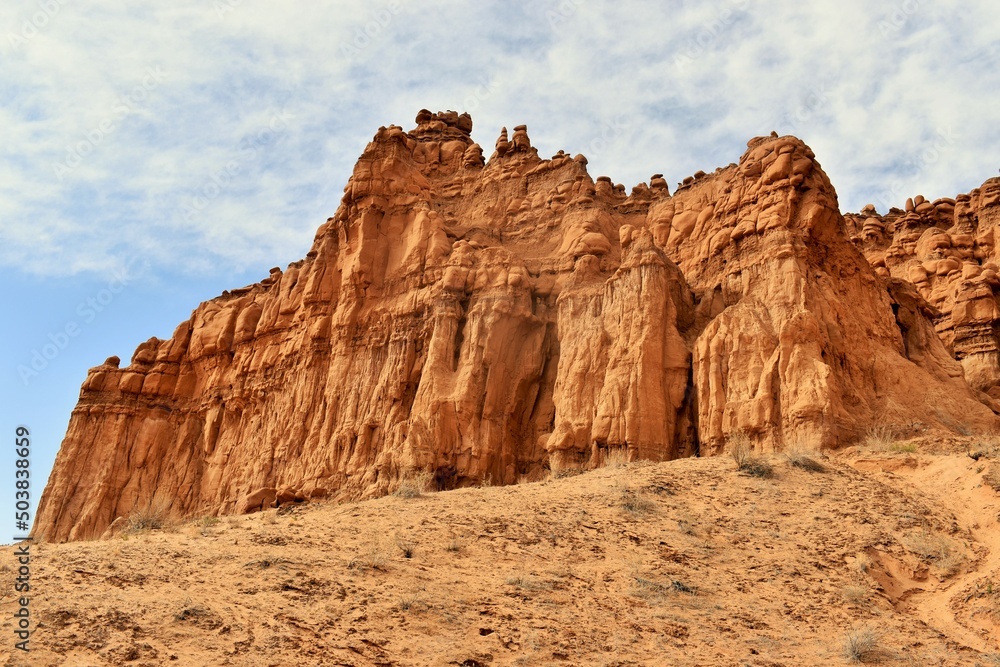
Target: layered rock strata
[
  {"x": 947, "y": 250},
  {"x": 491, "y": 320}
]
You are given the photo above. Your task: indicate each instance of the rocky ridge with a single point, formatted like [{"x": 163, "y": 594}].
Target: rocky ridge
[
  {"x": 947, "y": 250},
  {"x": 491, "y": 320}
]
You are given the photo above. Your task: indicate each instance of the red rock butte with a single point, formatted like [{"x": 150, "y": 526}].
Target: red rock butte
[{"x": 488, "y": 320}]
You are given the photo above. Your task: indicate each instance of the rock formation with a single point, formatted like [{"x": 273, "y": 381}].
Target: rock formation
[
  {"x": 496, "y": 319},
  {"x": 947, "y": 250}
]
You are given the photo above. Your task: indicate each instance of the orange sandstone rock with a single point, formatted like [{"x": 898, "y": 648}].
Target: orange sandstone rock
[
  {"x": 497, "y": 319},
  {"x": 947, "y": 250}
]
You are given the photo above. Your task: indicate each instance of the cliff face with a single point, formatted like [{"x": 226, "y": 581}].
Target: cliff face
[
  {"x": 947, "y": 249},
  {"x": 495, "y": 319}
]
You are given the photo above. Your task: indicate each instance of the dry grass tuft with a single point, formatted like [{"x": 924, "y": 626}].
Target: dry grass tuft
[
  {"x": 855, "y": 594},
  {"x": 936, "y": 550},
  {"x": 804, "y": 460},
  {"x": 411, "y": 603},
  {"x": 650, "y": 589},
  {"x": 373, "y": 557},
  {"x": 740, "y": 447},
  {"x": 880, "y": 437},
  {"x": 687, "y": 526},
  {"x": 413, "y": 485},
  {"x": 991, "y": 477},
  {"x": 634, "y": 502},
  {"x": 205, "y": 524},
  {"x": 528, "y": 583},
  {"x": 861, "y": 644},
  {"x": 615, "y": 457},
  {"x": 143, "y": 520},
  {"x": 405, "y": 546},
  {"x": 883, "y": 439}
]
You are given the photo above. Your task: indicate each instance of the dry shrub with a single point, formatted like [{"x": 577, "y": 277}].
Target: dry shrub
[
  {"x": 992, "y": 477},
  {"x": 862, "y": 563},
  {"x": 804, "y": 459},
  {"x": 880, "y": 437},
  {"x": 373, "y": 557},
  {"x": 740, "y": 448},
  {"x": 883, "y": 438},
  {"x": 197, "y": 615},
  {"x": 634, "y": 502},
  {"x": 928, "y": 545},
  {"x": 861, "y": 644},
  {"x": 989, "y": 444},
  {"x": 855, "y": 594},
  {"x": 142, "y": 520},
  {"x": 935, "y": 549},
  {"x": 562, "y": 473},
  {"x": 615, "y": 457},
  {"x": 413, "y": 484},
  {"x": 405, "y": 546}
]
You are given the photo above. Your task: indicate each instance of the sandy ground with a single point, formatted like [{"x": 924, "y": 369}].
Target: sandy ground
[{"x": 691, "y": 562}]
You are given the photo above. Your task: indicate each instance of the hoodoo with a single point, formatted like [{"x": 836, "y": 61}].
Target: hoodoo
[{"x": 498, "y": 318}]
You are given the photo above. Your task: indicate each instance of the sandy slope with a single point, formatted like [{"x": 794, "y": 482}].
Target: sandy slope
[
  {"x": 682, "y": 563},
  {"x": 957, "y": 606}
]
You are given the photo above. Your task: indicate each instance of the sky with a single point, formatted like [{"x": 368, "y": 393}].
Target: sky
[{"x": 158, "y": 153}]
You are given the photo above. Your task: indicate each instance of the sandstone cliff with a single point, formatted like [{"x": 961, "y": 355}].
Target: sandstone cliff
[
  {"x": 491, "y": 320},
  {"x": 947, "y": 250}
]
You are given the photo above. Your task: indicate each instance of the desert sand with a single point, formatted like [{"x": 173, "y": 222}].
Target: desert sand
[{"x": 690, "y": 562}]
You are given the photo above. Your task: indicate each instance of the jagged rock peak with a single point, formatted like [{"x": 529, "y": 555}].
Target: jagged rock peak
[
  {"x": 946, "y": 251},
  {"x": 442, "y": 124},
  {"x": 520, "y": 144}
]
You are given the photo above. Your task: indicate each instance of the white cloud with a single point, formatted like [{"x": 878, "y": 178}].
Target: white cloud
[{"x": 637, "y": 88}]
